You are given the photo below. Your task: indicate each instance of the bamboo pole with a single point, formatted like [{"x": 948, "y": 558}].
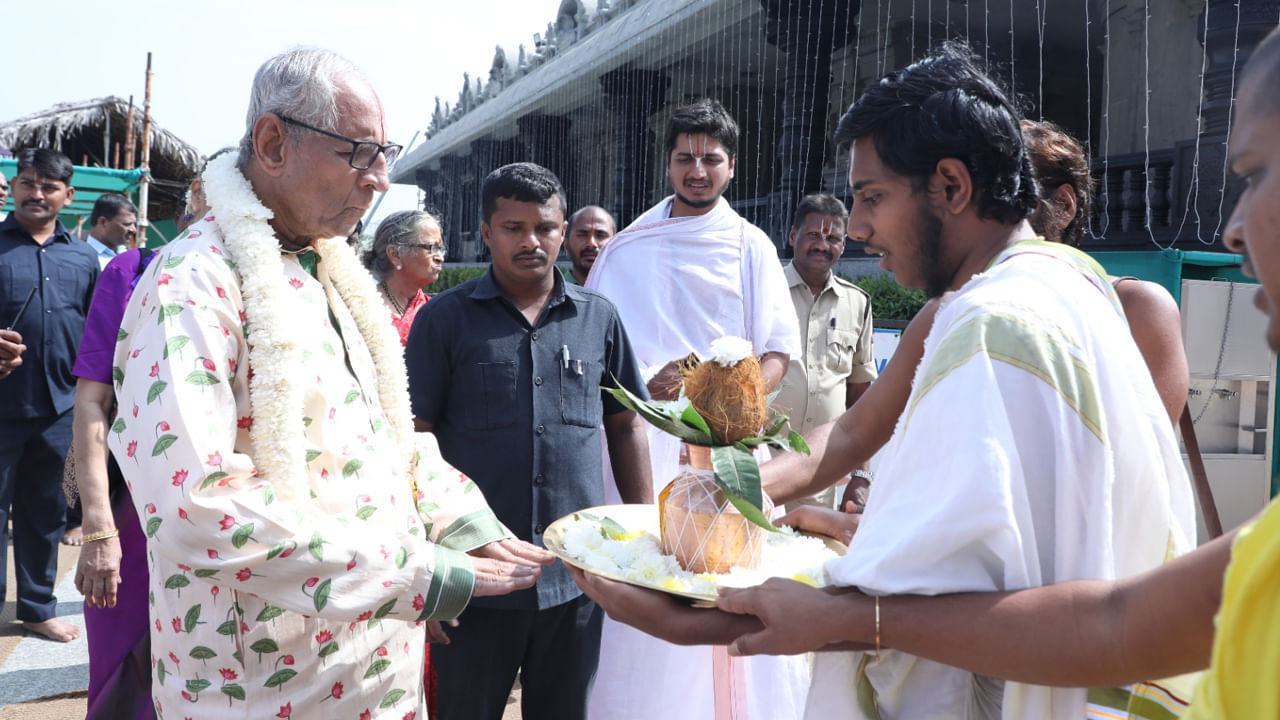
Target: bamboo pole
[
  {"x": 144, "y": 190},
  {"x": 106, "y": 135},
  {"x": 130, "y": 138}
]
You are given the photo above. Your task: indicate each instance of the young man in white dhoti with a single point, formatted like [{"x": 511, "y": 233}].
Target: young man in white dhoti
[
  {"x": 1033, "y": 448},
  {"x": 299, "y": 536},
  {"x": 686, "y": 272}
]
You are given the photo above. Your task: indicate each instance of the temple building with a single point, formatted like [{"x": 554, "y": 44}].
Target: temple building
[{"x": 1147, "y": 87}]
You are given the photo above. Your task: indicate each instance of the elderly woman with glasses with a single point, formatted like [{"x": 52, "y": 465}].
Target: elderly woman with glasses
[{"x": 406, "y": 255}]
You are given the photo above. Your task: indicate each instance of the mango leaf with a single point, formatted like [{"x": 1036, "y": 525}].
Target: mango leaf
[
  {"x": 321, "y": 598},
  {"x": 173, "y": 262},
  {"x": 329, "y": 649},
  {"x": 174, "y": 344},
  {"x": 364, "y": 512},
  {"x": 160, "y": 671},
  {"x": 390, "y": 698},
  {"x": 195, "y": 686},
  {"x": 268, "y": 495},
  {"x": 691, "y": 417},
  {"x": 205, "y": 573},
  {"x": 121, "y": 334},
  {"x": 377, "y": 668},
  {"x": 749, "y": 511},
  {"x": 192, "y": 618},
  {"x": 227, "y": 628},
  {"x": 202, "y": 377},
  {"x": 275, "y": 550},
  {"x": 162, "y": 443},
  {"x": 242, "y": 535},
  {"x": 153, "y": 525},
  {"x": 797, "y": 443},
  {"x": 351, "y": 397},
  {"x": 737, "y": 469},
  {"x": 118, "y": 426},
  {"x": 312, "y": 454},
  {"x": 280, "y": 677},
  {"x": 611, "y": 529},
  {"x": 154, "y": 391},
  {"x": 200, "y": 652},
  {"x": 657, "y": 418},
  {"x": 402, "y": 557},
  {"x": 233, "y": 691},
  {"x": 351, "y": 467}
]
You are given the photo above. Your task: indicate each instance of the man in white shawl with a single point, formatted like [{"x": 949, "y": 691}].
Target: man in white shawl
[
  {"x": 1033, "y": 447},
  {"x": 686, "y": 272}
]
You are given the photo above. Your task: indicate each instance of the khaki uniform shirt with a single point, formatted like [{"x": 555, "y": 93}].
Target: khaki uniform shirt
[{"x": 835, "y": 334}]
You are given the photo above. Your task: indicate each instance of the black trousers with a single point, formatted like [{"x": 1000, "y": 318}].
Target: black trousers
[
  {"x": 32, "y": 452},
  {"x": 555, "y": 651}
]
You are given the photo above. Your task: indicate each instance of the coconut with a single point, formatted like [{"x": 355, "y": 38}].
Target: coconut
[{"x": 732, "y": 398}]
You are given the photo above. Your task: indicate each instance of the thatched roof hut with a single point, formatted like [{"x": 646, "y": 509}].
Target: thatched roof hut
[{"x": 93, "y": 133}]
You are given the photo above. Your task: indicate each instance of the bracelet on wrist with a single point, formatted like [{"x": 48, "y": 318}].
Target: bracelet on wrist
[
  {"x": 101, "y": 535},
  {"x": 864, "y": 474}
]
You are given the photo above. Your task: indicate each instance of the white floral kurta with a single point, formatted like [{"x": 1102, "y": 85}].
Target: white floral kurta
[{"x": 266, "y": 603}]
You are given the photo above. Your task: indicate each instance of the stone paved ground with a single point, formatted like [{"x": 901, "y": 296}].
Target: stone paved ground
[{"x": 47, "y": 680}]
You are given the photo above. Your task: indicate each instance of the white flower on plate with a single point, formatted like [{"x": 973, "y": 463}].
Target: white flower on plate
[
  {"x": 578, "y": 538},
  {"x": 600, "y": 563},
  {"x": 650, "y": 567},
  {"x": 729, "y": 350},
  {"x": 619, "y": 551}
]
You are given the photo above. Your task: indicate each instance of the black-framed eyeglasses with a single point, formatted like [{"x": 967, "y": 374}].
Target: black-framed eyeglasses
[
  {"x": 363, "y": 152},
  {"x": 432, "y": 249}
]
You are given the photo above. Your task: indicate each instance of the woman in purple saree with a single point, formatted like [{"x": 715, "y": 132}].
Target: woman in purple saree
[{"x": 112, "y": 571}]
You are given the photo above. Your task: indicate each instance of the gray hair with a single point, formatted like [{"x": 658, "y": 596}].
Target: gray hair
[
  {"x": 302, "y": 84},
  {"x": 396, "y": 230}
]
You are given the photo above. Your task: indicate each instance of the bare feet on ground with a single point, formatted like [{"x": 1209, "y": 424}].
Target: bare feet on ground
[
  {"x": 74, "y": 536},
  {"x": 54, "y": 629}
]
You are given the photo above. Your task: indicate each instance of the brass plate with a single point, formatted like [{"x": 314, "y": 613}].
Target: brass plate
[{"x": 635, "y": 518}]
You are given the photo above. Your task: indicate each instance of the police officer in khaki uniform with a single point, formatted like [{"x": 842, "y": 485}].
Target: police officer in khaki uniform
[{"x": 837, "y": 364}]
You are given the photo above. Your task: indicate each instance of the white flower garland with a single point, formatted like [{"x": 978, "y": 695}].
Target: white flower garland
[{"x": 279, "y": 445}]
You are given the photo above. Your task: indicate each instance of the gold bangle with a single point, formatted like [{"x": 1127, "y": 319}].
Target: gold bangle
[
  {"x": 101, "y": 535},
  {"x": 877, "y": 627}
]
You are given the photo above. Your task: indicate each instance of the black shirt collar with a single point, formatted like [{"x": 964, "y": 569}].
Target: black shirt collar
[
  {"x": 486, "y": 288},
  {"x": 60, "y": 232}
]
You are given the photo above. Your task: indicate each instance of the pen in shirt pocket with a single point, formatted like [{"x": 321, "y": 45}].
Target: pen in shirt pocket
[{"x": 833, "y": 321}]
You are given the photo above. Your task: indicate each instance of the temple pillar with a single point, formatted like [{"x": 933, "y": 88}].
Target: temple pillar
[
  {"x": 632, "y": 95},
  {"x": 808, "y": 32},
  {"x": 449, "y": 203}
]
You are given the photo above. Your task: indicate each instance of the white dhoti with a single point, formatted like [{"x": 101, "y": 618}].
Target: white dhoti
[{"x": 679, "y": 284}]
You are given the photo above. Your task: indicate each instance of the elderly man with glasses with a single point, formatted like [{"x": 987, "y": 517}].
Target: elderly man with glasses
[{"x": 299, "y": 532}]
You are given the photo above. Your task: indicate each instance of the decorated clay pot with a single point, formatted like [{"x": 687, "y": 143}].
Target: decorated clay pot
[{"x": 700, "y": 526}]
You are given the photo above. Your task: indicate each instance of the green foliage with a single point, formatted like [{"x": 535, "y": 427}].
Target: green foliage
[
  {"x": 451, "y": 276},
  {"x": 889, "y": 300}
]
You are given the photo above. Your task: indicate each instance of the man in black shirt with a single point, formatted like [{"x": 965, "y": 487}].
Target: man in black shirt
[
  {"x": 507, "y": 371},
  {"x": 46, "y": 281}
]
